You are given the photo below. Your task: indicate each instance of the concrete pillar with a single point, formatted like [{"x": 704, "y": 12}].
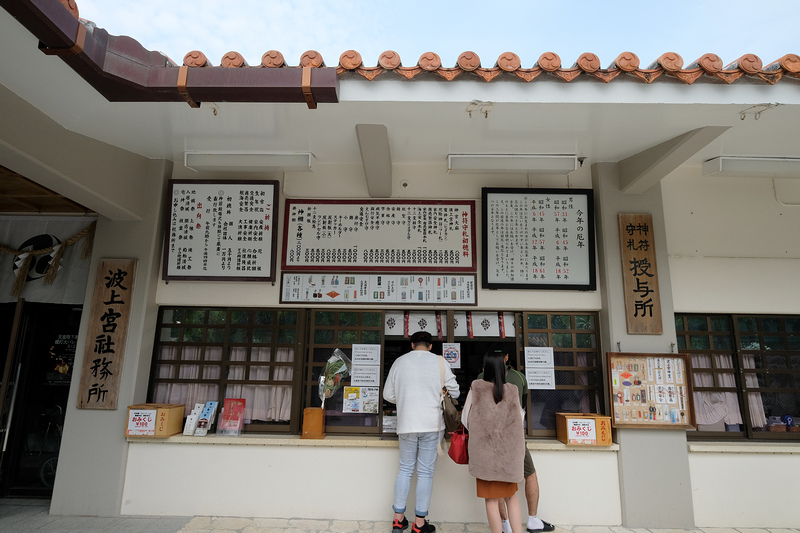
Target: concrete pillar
[
  {"x": 653, "y": 463},
  {"x": 91, "y": 464}
]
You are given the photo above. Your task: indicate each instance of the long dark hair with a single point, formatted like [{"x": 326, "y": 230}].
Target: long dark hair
[{"x": 494, "y": 370}]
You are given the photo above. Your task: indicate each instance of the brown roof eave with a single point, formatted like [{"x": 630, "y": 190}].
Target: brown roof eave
[{"x": 120, "y": 69}]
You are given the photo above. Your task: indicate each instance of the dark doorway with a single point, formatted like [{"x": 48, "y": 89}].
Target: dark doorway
[
  {"x": 37, "y": 387},
  {"x": 472, "y": 352}
]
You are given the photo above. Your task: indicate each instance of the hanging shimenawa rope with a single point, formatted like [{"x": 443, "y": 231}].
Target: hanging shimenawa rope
[{"x": 87, "y": 234}]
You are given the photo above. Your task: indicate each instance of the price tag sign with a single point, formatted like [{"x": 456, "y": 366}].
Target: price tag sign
[
  {"x": 141, "y": 422},
  {"x": 581, "y": 431}
]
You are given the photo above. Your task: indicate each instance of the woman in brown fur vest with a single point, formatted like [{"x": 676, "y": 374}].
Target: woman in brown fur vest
[{"x": 493, "y": 416}]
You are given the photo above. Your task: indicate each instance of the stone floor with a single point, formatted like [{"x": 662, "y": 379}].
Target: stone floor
[{"x": 21, "y": 515}]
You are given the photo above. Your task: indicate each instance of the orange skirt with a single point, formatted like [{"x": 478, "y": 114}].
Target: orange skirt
[{"x": 495, "y": 489}]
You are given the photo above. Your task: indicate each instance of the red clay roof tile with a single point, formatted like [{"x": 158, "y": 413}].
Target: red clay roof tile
[
  {"x": 272, "y": 59},
  {"x": 233, "y": 60},
  {"x": 670, "y": 63}
]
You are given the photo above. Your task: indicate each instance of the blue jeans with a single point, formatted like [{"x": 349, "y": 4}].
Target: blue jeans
[{"x": 420, "y": 449}]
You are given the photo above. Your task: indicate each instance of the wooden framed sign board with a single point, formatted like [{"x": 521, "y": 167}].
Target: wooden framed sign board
[
  {"x": 221, "y": 230},
  {"x": 651, "y": 390},
  {"x": 379, "y": 236},
  {"x": 538, "y": 239},
  {"x": 107, "y": 334}
]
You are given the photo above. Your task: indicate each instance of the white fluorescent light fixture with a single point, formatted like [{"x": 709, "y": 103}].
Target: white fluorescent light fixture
[
  {"x": 511, "y": 164},
  {"x": 753, "y": 167},
  {"x": 249, "y": 161}
]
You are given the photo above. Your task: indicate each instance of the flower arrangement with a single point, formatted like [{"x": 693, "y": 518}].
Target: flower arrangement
[{"x": 337, "y": 368}]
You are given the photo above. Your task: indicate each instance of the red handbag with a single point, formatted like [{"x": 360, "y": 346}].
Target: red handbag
[{"x": 459, "y": 451}]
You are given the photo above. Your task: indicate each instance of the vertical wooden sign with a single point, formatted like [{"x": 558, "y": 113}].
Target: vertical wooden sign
[
  {"x": 107, "y": 334},
  {"x": 640, "y": 274}
]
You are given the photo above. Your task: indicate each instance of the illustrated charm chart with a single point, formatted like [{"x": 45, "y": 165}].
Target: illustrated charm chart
[
  {"x": 650, "y": 390},
  {"x": 379, "y": 288}
]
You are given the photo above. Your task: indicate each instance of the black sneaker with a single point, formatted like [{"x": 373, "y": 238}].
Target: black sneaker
[
  {"x": 398, "y": 526},
  {"x": 426, "y": 528}
]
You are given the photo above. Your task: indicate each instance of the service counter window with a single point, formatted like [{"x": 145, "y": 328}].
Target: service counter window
[
  {"x": 209, "y": 354},
  {"x": 273, "y": 359},
  {"x": 746, "y": 374},
  {"x": 576, "y": 384}
]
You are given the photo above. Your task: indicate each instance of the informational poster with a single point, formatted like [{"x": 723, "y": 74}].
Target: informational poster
[
  {"x": 366, "y": 354},
  {"x": 538, "y": 239},
  {"x": 389, "y": 424},
  {"x": 451, "y": 351},
  {"x": 61, "y": 356},
  {"x": 360, "y": 400},
  {"x": 539, "y": 367},
  {"x": 379, "y": 236},
  {"x": 539, "y": 356},
  {"x": 640, "y": 274},
  {"x": 651, "y": 390},
  {"x": 365, "y": 370},
  {"x": 401, "y": 289},
  {"x": 365, "y": 375},
  {"x": 221, "y": 230},
  {"x": 541, "y": 378},
  {"x": 107, "y": 334}
]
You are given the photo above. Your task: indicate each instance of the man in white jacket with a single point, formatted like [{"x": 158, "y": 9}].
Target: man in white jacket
[{"x": 414, "y": 385}]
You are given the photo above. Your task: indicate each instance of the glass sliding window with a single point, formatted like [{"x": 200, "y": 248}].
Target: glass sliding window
[
  {"x": 769, "y": 358},
  {"x": 209, "y": 354},
  {"x": 746, "y": 373},
  {"x": 346, "y": 412},
  {"x": 710, "y": 341},
  {"x": 577, "y": 366}
]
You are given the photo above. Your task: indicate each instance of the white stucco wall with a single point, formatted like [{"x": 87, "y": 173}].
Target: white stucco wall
[
  {"x": 733, "y": 243},
  {"x": 324, "y": 479},
  {"x": 745, "y": 484}
]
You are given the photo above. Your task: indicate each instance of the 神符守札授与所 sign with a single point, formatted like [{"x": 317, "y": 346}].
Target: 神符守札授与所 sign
[
  {"x": 221, "y": 230},
  {"x": 640, "y": 274},
  {"x": 538, "y": 239},
  {"x": 379, "y": 236}
]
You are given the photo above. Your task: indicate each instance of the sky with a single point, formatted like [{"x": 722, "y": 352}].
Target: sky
[{"x": 529, "y": 28}]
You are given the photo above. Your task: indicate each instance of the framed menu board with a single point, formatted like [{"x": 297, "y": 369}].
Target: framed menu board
[
  {"x": 379, "y": 236},
  {"x": 651, "y": 390},
  {"x": 538, "y": 239},
  {"x": 221, "y": 230}
]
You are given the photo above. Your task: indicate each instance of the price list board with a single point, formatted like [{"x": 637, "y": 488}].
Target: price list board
[
  {"x": 538, "y": 239},
  {"x": 651, "y": 390},
  {"x": 379, "y": 236},
  {"x": 221, "y": 230}
]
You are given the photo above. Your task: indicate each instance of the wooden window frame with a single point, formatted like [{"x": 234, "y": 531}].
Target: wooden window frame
[
  {"x": 226, "y": 343},
  {"x": 523, "y": 332},
  {"x": 317, "y": 354},
  {"x": 740, "y": 370}
]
